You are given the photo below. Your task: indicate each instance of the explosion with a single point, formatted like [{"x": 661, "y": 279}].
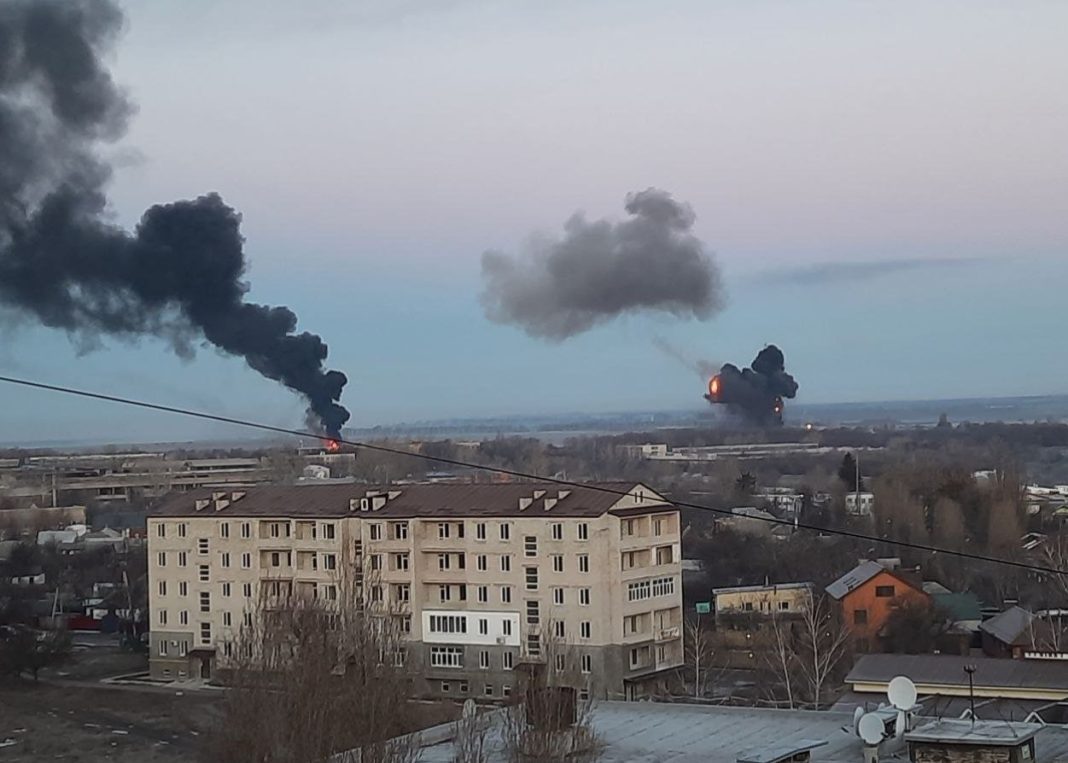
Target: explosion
[{"x": 755, "y": 393}]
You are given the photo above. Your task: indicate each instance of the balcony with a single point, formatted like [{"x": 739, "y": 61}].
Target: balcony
[{"x": 669, "y": 633}]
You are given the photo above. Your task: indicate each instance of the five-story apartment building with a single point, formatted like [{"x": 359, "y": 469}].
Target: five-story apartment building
[{"x": 482, "y": 577}]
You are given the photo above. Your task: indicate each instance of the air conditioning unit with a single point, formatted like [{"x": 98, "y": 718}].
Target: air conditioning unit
[{"x": 500, "y": 640}]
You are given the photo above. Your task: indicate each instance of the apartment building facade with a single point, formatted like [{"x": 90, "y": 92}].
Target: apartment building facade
[{"x": 483, "y": 578}]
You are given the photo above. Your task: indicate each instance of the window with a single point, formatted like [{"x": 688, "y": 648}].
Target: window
[
  {"x": 480, "y": 531},
  {"x": 246, "y": 530},
  {"x": 483, "y": 626},
  {"x": 163, "y": 588},
  {"x": 884, "y": 591},
  {"x": 205, "y": 633},
  {"x": 402, "y": 593},
  {"x": 531, "y": 576},
  {"x": 329, "y": 531},
  {"x": 161, "y": 559},
  {"x": 558, "y": 629},
  {"x": 483, "y": 660},
  {"x": 530, "y": 545},
  {"x": 376, "y": 531},
  {"x": 508, "y": 661},
  {"x": 276, "y": 559},
  {"x": 561, "y": 663},
  {"x": 639, "y": 656},
  {"x": 533, "y": 644},
  {"x": 227, "y": 619},
  {"x": 400, "y": 561},
  {"x": 658, "y": 526},
  {"x": 183, "y": 588},
  {"x": 446, "y": 657},
  {"x": 558, "y": 563},
  {"x": 444, "y": 594},
  {"x": 632, "y": 625},
  {"x": 226, "y": 559},
  {"x": 585, "y": 629},
  {"x": 483, "y": 594},
  {"x": 202, "y": 545},
  {"x": 163, "y": 647},
  {"x": 246, "y": 561},
  {"x": 443, "y": 561},
  {"x": 584, "y": 562},
  {"x": 644, "y": 589},
  {"x": 183, "y": 529},
  {"x": 183, "y": 558},
  {"x": 330, "y": 561},
  {"x": 246, "y": 619},
  {"x": 406, "y": 624},
  {"x": 506, "y": 594},
  {"x": 661, "y": 654},
  {"x": 487, "y": 690},
  {"x": 506, "y": 563},
  {"x": 747, "y": 606},
  {"x": 463, "y": 687},
  {"x": 376, "y": 593},
  {"x": 533, "y": 612},
  {"x": 784, "y": 605},
  {"x": 183, "y": 617},
  {"x": 584, "y": 597},
  {"x": 226, "y": 590},
  {"x": 400, "y": 530},
  {"x": 443, "y": 530},
  {"x": 558, "y": 596},
  {"x": 860, "y": 617},
  {"x": 224, "y": 530},
  {"x": 557, "y": 530},
  {"x": 506, "y": 628},
  {"x": 445, "y": 688},
  {"x": 247, "y": 590},
  {"x": 448, "y": 623},
  {"x": 481, "y": 562},
  {"x": 664, "y": 555},
  {"x": 583, "y": 531},
  {"x": 203, "y": 573},
  {"x": 163, "y": 617},
  {"x": 506, "y": 531},
  {"x": 628, "y": 527},
  {"x": 161, "y": 530},
  {"x": 205, "y": 601}
]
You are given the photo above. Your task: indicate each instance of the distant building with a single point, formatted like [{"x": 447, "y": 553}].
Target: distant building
[
  {"x": 860, "y": 504},
  {"x": 784, "y": 500},
  {"x": 780, "y": 598},
  {"x": 867, "y": 595},
  {"x": 748, "y": 520}
]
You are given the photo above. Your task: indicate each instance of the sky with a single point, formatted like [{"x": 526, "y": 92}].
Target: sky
[{"x": 885, "y": 187}]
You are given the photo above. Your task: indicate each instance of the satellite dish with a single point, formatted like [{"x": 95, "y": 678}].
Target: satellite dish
[
  {"x": 469, "y": 708},
  {"x": 902, "y": 693},
  {"x": 858, "y": 713},
  {"x": 870, "y": 728}
]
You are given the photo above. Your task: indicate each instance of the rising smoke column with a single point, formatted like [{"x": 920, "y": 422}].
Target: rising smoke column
[
  {"x": 755, "y": 393},
  {"x": 602, "y": 269},
  {"x": 178, "y": 276}
]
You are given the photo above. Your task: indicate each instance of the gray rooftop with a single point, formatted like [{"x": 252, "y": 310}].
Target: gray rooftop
[
  {"x": 757, "y": 588},
  {"x": 988, "y": 734},
  {"x": 991, "y": 674},
  {"x": 1008, "y": 626},
  {"x": 649, "y": 732},
  {"x": 855, "y": 578}
]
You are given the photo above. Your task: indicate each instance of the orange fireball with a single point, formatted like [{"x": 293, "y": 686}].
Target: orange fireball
[{"x": 713, "y": 386}]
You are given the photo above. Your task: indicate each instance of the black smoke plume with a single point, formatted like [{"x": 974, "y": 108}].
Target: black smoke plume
[
  {"x": 755, "y": 393},
  {"x": 601, "y": 269},
  {"x": 178, "y": 276}
]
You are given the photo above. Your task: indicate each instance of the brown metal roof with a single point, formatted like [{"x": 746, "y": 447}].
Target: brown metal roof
[{"x": 460, "y": 500}]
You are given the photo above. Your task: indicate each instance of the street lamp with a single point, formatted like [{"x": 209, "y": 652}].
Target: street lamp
[{"x": 970, "y": 670}]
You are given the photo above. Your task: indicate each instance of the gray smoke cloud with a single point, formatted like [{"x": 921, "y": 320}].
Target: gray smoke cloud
[
  {"x": 178, "y": 276},
  {"x": 706, "y": 369},
  {"x": 601, "y": 269},
  {"x": 850, "y": 272}
]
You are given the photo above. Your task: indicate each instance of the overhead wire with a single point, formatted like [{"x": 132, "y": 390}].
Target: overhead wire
[{"x": 600, "y": 487}]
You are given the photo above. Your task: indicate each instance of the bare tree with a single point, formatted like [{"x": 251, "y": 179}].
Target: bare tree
[
  {"x": 313, "y": 679},
  {"x": 700, "y": 654},
  {"x": 469, "y": 736},
  {"x": 550, "y": 717},
  {"x": 1054, "y": 554},
  {"x": 781, "y": 654},
  {"x": 823, "y": 642}
]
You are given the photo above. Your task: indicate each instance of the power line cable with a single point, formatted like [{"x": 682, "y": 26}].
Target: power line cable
[{"x": 516, "y": 473}]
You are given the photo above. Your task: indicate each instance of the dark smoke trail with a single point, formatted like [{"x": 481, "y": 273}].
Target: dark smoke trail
[
  {"x": 600, "y": 270},
  {"x": 178, "y": 276},
  {"x": 755, "y": 393},
  {"x": 700, "y": 366}
]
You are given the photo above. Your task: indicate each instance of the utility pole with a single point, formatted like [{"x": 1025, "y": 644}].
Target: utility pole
[{"x": 970, "y": 670}]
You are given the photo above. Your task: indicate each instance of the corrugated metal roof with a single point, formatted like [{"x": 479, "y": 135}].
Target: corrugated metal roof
[
  {"x": 422, "y": 500},
  {"x": 944, "y": 669},
  {"x": 855, "y": 578},
  {"x": 1009, "y": 626}
]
